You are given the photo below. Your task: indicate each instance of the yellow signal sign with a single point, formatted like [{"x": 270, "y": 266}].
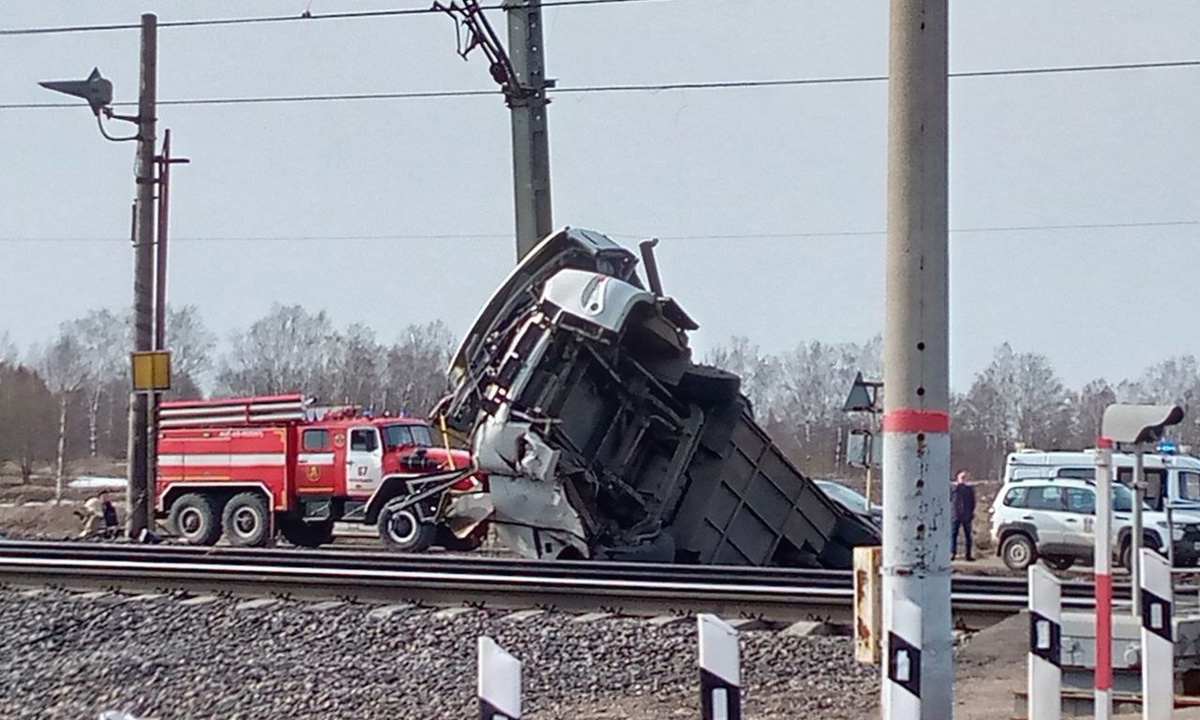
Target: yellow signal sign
[{"x": 151, "y": 370}]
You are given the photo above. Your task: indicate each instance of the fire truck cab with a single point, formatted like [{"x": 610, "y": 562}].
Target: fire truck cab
[{"x": 246, "y": 468}]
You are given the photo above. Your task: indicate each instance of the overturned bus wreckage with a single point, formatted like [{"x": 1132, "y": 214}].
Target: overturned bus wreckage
[{"x": 602, "y": 439}]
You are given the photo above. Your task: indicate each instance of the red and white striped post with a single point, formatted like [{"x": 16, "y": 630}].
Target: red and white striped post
[
  {"x": 1102, "y": 673},
  {"x": 1045, "y": 645}
]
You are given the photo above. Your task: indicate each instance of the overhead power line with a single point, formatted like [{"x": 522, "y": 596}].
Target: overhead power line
[
  {"x": 715, "y": 236},
  {"x": 643, "y": 87},
  {"x": 306, "y": 16}
]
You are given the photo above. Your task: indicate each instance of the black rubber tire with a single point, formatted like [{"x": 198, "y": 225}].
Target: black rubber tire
[
  {"x": 1125, "y": 556},
  {"x": 447, "y": 539},
  {"x": 402, "y": 531},
  {"x": 709, "y": 385},
  {"x": 196, "y": 518},
  {"x": 1059, "y": 562},
  {"x": 247, "y": 520},
  {"x": 306, "y": 534},
  {"x": 1018, "y": 552}
]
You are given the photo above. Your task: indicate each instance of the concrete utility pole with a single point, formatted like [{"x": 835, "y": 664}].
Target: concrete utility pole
[
  {"x": 918, "y": 670},
  {"x": 531, "y": 143},
  {"x": 139, "y": 496}
]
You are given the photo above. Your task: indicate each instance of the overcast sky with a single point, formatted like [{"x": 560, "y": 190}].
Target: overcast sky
[{"x": 808, "y": 161}]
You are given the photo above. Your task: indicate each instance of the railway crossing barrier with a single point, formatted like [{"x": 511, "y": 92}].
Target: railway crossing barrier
[
  {"x": 1155, "y": 653},
  {"x": 499, "y": 688}
]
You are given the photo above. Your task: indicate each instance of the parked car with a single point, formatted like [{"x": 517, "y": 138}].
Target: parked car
[
  {"x": 1053, "y": 519},
  {"x": 852, "y": 500}
]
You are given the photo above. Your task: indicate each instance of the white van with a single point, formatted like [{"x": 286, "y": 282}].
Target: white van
[{"x": 1171, "y": 479}]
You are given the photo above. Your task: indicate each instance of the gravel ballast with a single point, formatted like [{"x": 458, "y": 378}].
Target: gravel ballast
[{"x": 70, "y": 656}]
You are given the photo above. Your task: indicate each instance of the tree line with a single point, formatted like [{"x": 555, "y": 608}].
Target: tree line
[
  {"x": 1017, "y": 400},
  {"x": 68, "y": 399}
]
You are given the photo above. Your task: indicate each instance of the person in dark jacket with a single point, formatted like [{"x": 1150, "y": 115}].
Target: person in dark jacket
[{"x": 962, "y": 511}]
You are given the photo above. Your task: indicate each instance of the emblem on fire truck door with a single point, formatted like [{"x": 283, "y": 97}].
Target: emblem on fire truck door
[
  {"x": 339, "y": 439},
  {"x": 314, "y": 473}
]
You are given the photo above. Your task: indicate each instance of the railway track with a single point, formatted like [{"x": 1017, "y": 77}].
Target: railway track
[{"x": 771, "y": 594}]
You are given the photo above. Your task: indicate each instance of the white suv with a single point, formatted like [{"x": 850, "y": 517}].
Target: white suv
[{"x": 1054, "y": 519}]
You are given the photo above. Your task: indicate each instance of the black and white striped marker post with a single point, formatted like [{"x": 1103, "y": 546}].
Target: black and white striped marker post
[
  {"x": 1045, "y": 645},
  {"x": 499, "y": 682},
  {"x": 720, "y": 670},
  {"x": 1158, "y": 638},
  {"x": 902, "y": 659}
]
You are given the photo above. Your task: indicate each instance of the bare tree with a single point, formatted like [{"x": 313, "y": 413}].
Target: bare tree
[
  {"x": 191, "y": 345},
  {"x": 358, "y": 365},
  {"x": 102, "y": 338},
  {"x": 1174, "y": 380},
  {"x": 8, "y": 350},
  {"x": 1093, "y": 399},
  {"x": 287, "y": 351},
  {"x": 415, "y": 371},
  {"x": 799, "y": 395},
  {"x": 8, "y": 356},
  {"x": 760, "y": 372},
  {"x": 65, "y": 370},
  {"x": 1018, "y": 397},
  {"x": 26, "y": 418}
]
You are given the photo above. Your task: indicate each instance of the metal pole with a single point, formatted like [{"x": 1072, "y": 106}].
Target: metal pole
[
  {"x": 143, "y": 283},
  {"x": 531, "y": 144},
  {"x": 1169, "y": 504},
  {"x": 1135, "y": 535},
  {"x": 1102, "y": 674},
  {"x": 160, "y": 294},
  {"x": 916, "y": 420},
  {"x": 873, "y": 422},
  {"x": 160, "y": 259}
]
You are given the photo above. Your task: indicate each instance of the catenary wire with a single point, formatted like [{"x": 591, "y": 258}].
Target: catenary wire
[
  {"x": 351, "y": 15},
  {"x": 618, "y": 88},
  {"x": 717, "y": 236}
]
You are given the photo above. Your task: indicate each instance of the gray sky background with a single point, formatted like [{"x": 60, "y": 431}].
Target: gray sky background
[{"x": 1071, "y": 149}]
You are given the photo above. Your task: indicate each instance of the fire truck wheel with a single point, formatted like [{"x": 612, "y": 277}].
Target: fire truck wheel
[
  {"x": 245, "y": 520},
  {"x": 196, "y": 519},
  {"x": 401, "y": 530}
]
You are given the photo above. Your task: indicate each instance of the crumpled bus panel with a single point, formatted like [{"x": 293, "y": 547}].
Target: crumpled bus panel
[{"x": 602, "y": 438}]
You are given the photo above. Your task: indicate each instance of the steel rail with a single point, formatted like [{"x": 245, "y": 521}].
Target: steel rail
[{"x": 770, "y": 594}]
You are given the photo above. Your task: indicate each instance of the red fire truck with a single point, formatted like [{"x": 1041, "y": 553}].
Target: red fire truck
[{"x": 248, "y": 467}]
